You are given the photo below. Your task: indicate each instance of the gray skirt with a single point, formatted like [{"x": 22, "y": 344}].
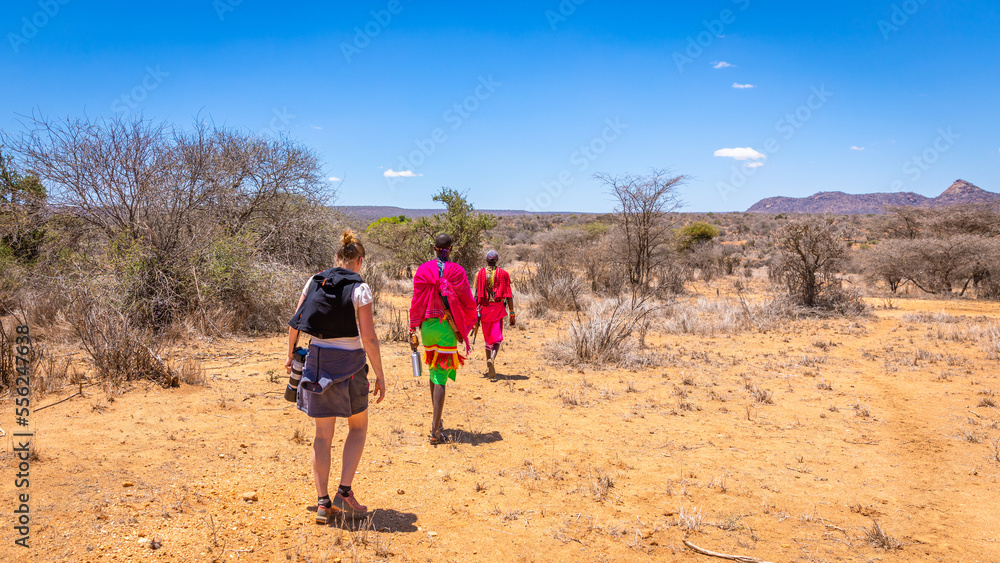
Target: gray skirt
[{"x": 334, "y": 383}]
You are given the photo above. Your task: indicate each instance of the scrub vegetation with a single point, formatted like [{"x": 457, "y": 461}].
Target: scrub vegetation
[{"x": 700, "y": 377}]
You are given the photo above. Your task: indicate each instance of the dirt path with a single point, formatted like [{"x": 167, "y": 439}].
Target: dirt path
[{"x": 548, "y": 463}]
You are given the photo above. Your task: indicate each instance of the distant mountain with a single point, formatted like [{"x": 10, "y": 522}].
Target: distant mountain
[
  {"x": 961, "y": 192},
  {"x": 369, "y": 213}
]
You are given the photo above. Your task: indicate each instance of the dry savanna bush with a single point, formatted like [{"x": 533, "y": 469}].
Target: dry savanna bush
[
  {"x": 552, "y": 284},
  {"x": 168, "y": 230},
  {"x": 612, "y": 332},
  {"x": 120, "y": 351},
  {"x": 942, "y": 251}
]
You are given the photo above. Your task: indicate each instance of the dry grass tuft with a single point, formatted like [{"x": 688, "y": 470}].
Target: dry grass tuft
[
  {"x": 758, "y": 394},
  {"x": 876, "y": 536},
  {"x": 119, "y": 350},
  {"x": 300, "y": 437},
  {"x": 689, "y": 520},
  {"x": 601, "y": 485},
  {"x": 861, "y": 409},
  {"x": 571, "y": 398},
  {"x": 395, "y": 323},
  {"x": 611, "y": 334},
  {"x": 192, "y": 372},
  {"x": 989, "y": 339}
]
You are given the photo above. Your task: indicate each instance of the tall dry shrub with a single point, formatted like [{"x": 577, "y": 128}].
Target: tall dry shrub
[
  {"x": 375, "y": 276},
  {"x": 8, "y": 371},
  {"x": 187, "y": 220},
  {"x": 810, "y": 252},
  {"x": 554, "y": 284},
  {"x": 671, "y": 278},
  {"x": 937, "y": 265},
  {"x": 119, "y": 349},
  {"x": 612, "y": 333},
  {"x": 644, "y": 204}
]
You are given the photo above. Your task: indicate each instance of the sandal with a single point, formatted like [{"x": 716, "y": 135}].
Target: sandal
[{"x": 435, "y": 440}]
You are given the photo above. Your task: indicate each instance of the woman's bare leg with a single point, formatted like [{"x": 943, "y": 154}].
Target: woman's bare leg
[
  {"x": 354, "y": 446},
  {"x": 321, "y": 454}
]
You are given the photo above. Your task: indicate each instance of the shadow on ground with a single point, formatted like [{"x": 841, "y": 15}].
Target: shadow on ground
[
  {"x": 504, "y": 377},
  {"x": 383, "y": 520},
  {"x": 456, "y": 436}
]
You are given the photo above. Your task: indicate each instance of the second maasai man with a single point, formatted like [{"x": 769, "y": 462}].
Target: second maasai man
[
  {"x": 494, "y": 300},
  {"x": 445, "y": 312}
]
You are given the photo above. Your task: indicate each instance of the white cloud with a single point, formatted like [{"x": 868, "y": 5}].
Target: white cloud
[
  {"x": 742, "y": 86},
  {"x": 334, "y": 179},
  {"x": 390, "y": 173},
  {"x": 317, "y": 127},
  {"x": 753, "y": 165},
  {"x": 722, "y": 64},
  {"x": 745, "y": 153},
  {"x": 854, "y": 148}
]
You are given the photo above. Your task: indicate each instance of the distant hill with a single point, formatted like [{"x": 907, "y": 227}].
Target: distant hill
[
  {"x": 961, "y": 192},
  {"x": 369, "y": 213}
]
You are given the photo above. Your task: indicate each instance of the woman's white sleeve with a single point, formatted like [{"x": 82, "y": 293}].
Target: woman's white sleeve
[{"x": 362, "y": 296}]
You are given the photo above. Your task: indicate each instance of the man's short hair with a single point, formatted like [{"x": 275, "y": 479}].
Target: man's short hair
[{"x": 442, "y": 241}]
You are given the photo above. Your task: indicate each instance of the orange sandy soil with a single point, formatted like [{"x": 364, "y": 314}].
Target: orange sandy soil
[{"x": 647, "y": 458}]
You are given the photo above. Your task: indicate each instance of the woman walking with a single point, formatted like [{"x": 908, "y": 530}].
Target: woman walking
[
  {"x": 336, "y": 310},
  {"x": 494, "y": 299}
]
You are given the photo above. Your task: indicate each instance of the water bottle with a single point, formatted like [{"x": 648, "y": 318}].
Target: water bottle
[
  {"x": 298, "y": 359},
  {"x": 415, "y": 361},
  {"x": 415, "y": 356}
]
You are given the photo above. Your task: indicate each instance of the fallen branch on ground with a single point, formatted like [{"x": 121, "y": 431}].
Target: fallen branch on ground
[
  {"x": 740, "y": 558},
  {"x": 80, "y": 393}
]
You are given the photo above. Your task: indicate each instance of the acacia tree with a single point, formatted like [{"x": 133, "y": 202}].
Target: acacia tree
[
  {"x": 179, "y": 210},
  {"x": 411, "y": 241},
  {"x": 939, "y": 265},
  {"x": 22, "y": 206},
  {"x": 886, "y": 262},
  {"x": 134, "y": 178},
  {"x": 940, "y": 250},
  {"x": 466, "y": 226},
  {"x": 644, "y": 203},
  {"x": 810, "y": 253}
]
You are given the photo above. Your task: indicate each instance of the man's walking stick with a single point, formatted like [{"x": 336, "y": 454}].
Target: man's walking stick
[{"x": 475, "y": 329}]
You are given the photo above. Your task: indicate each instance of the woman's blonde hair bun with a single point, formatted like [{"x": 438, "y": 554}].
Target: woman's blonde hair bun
[{"x": 350, "y": 247}]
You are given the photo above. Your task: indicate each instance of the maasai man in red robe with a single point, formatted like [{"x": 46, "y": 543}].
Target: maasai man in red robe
[
  {"x": 445, "y": 312},
  {"x": 494, "y": 299}
]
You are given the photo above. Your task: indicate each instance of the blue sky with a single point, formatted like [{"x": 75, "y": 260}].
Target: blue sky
[{"x": 520, "y": 103}]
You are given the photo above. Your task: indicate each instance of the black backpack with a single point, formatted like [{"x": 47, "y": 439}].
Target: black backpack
[{"x": 328, "y": 309}]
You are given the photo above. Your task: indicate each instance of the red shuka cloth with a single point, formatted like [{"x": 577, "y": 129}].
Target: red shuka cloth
[
  {"x": 501, "y": 286},
  {"x": 428, "y": 287}
]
